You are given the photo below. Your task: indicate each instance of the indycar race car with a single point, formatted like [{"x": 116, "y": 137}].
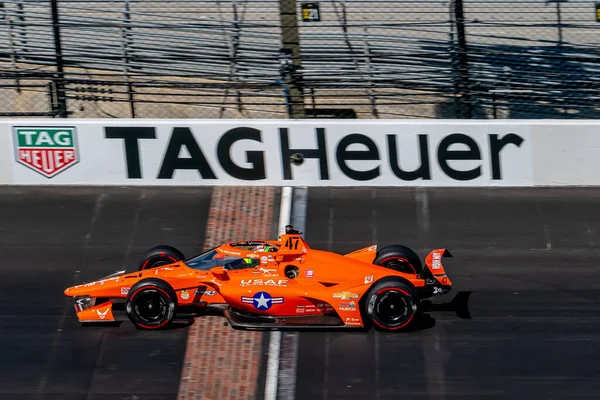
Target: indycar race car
[{"x": 269, "y": 284}]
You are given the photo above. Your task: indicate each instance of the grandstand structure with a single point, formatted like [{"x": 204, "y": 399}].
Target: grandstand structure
[{"x": 373, "y": 59}]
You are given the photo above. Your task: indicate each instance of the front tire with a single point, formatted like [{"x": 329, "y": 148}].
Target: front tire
[
  {"x": 159, "y": 256},
  {"x": 391, "y": 305},
  {"x": 151, "y": 304}
]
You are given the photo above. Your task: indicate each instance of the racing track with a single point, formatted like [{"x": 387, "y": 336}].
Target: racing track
[
  {"x": 530, "y": 256},
  {"x": 51, "y": 238}
]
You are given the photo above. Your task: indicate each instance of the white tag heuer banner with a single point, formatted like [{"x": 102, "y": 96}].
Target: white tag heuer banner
[{"x": 269, "y": 152}]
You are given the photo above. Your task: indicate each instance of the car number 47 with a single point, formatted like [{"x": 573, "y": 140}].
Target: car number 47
[{"x": 292, "y": 243}]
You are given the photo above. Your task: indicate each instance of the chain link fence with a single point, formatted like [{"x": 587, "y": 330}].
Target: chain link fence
[
  {"x": 534, "y": 59},
  {"x": 282, "y": 58}
]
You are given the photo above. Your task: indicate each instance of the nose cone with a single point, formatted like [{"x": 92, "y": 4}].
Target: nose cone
[
  {"x": 77, "y": 291},
  {"x": 73, "y": 291}
]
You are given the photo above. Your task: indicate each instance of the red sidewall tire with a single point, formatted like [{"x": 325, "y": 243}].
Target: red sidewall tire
[
  {"x": 143, "y": 297},
  {"x": 159, "y": 256},
  {"x": 391, "y": 305},
  {"x": 386, "y": 260},
  {"x": 399, "y": 258}
]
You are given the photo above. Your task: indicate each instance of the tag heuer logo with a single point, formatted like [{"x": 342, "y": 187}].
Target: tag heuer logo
[{"x": 48, "y": 151}]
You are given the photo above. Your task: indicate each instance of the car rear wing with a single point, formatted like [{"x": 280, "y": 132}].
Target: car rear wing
[{"x": 434, "y": 265}]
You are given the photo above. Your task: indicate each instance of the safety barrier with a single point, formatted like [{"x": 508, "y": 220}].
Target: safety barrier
[{"x": 300, "y": 153}]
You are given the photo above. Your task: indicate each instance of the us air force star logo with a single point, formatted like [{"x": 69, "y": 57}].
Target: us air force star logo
[{"x": 262, "y": 300}]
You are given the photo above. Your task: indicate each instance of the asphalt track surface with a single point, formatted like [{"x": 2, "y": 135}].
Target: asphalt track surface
[
  {"x": 530, "y": 257},
  {"x": 52, "y": 238}
]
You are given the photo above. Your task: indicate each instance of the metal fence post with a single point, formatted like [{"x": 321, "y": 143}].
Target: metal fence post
[
  {"x": 290, "y": 41},
  {"x": 464, "y": 84},
  {"x": 126, "y": 44},
  {"x": 61, "y": 101}
]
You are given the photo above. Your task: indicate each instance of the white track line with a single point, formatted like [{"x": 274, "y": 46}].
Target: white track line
[
  {"x": 288, "y": 354},
  {"x": 285, "y": 210},
  {"x": 285, "y": 213}
]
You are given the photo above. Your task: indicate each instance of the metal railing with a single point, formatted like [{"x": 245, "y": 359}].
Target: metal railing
[{"x": 235, "y": 58}]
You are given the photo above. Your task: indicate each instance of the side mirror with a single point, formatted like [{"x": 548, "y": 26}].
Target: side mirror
[{"x": 218, "y": 271}]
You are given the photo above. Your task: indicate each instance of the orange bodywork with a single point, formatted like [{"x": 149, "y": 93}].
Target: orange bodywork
[{"x": 326, "y": 283}]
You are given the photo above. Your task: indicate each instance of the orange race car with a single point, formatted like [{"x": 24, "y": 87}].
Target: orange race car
[{"x": 269, "y": 284}]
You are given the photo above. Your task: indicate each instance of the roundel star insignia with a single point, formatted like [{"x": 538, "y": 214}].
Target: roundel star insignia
[{"x": 262, "y": 300}]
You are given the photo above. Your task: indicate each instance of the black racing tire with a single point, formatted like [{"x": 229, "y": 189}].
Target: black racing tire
[
  {"x": 151, "y": 304},
  {"x": 391, "y": 305},
  {"x": 159, "y": 256},
  {"x": 399, "y": 258}
]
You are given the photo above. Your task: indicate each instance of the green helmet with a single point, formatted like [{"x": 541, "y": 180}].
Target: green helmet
[{"x": 263, "y": 248}]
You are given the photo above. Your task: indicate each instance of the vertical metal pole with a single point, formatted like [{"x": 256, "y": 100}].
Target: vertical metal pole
[
  {"x": 463, "y": 62},
  {"x": 559, "y": 20},
  {"x": 13, "y": 52},
  {"x": 125, "y": 43},
  {"x": 235, "y": 44},
  {"x": 453, "y": 57},
  {"x": 61, "y": 101},
  {"x": 290, "y": 41},
  {"x": 367, "y": 53},
  {"x": 21, "y": 16}
]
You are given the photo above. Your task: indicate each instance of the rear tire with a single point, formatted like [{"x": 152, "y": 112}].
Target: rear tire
[
  {"x": 399, "y": 258},
  {"x": 391, "y": 305},
  {"x": 160, "y": 256},
  {"x": 151, "y": 304}
]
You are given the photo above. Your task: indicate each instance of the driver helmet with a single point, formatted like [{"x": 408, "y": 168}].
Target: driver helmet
[{"x": 263, "y": 248}]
